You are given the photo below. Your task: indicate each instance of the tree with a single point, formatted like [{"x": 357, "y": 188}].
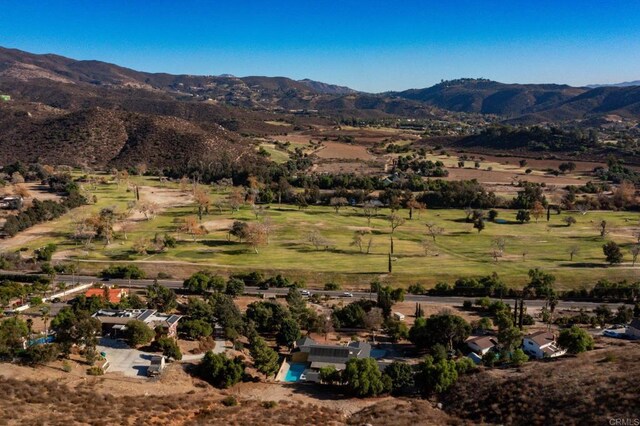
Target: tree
[
  {"x": 329, "y": 375},
  {"x": 317, "y": 240},
  {"x": 537, "y": 211},
  {"x": 575, "y": 340},
  {"x": 602, "y": 228},
  {"x": 540, "y": 283},
  {"x": 573, "y": 251},
  {"x": 523, "y": 216},
  {"x": 434, "y": 230},
  {"x": 138, "y": 333},
  {"x": 265, "y": 359},
  {"x": 635, "y": 251},
  {"x": 613, "y": 253},
  {"x": 479, "y": 225},
  {"x": 13, "y": 331},
  {"x": 510, "y": 338},
  {"x": 195, "y": 328},
  {"x": 370, "y": 209},
  {"x": 373, "y": 320},
  {"x": 396, "y": 330},
  {"x": 256, "y": 236},
  {"x": 518, "y": 357},
  {"x": 169, "y": 348},
  {"x": 235, "y": 199},
  {"x": 235, "y": 287},
  {"x": 364, "y": 379},
  {"x": 191, "y": 226},
  {"x": 203, "y": 201},
  {"x": 220, "y": 371},
  {"x": 493, "y": 215},
  {"x": 436, "y": 376},
  {"x": 446, "y": 329},
  {"x": 569, "y": 220},
  {"x": 161, "y": 298},
  {"x": 289, "y": 332},
  {"x": 337, "y": 203},
  {"x": 358, "y": 239},
  {"x": 401, "y": 375}
]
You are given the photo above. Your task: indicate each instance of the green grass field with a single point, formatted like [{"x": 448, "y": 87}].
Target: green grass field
[{"x": 460, "y": 251}]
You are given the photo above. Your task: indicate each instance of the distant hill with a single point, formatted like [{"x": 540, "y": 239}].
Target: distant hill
[
  {"x": 623, "y": 84},
  {"x": 528, "y": 102}
]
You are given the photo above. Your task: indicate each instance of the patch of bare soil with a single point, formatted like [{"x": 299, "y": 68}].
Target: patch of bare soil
[
  {"x": 344, "y": 151},
  {"x": 26, "y": 236},
  {"x": 218, "y": 224},
  {"x": 402, "y": 412}
]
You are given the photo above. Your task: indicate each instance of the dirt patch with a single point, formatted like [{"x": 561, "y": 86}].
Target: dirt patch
[
  {"x": 218, "y": 225},
  {"x": 344, "y": 151}
]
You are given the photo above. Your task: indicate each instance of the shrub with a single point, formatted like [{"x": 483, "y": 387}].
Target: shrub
[
  {"x": 467, "y": 304},
  {"x": 269, "y": 404},
  {"x": 95, "y": 371},
  {"x": 332, "y": 286},
  {"x": 229, "y": 401},
  {"x": 123, "y": 271},
  {"x": 66, "y": 367}
]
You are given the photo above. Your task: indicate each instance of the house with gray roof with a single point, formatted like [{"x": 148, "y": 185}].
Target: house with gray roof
[
  {"x": 633, "y": 329},
  {"x": 318, "y": 356},
  {"x": 114, "y": 321}
]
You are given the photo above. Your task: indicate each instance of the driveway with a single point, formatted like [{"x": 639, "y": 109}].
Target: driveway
[{"x": 123, "y": 359}]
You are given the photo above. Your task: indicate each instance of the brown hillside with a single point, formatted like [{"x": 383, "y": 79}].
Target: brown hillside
[{"x": 588, "y": 389}]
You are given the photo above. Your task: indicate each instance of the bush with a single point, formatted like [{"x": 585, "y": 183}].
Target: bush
[
  {"x": 575, "y": 340},
  {"x": 163, "y": 276},
  {"x": 123, "y": 271},
  {"x": 332, "y": 286},
  {"x": 66, "y": 367},
  {"x": 269, "y": 404},
  {"x": 169, "y": 348},
  {"x": 95, "y": 371},
  {"x": 467, "y": 304},
  {"x": 229, "y": 401},
  {"x": 220, "y": 371}
]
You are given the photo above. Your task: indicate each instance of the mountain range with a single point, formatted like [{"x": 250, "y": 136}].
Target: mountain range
[{"x": 111, "y": 110}]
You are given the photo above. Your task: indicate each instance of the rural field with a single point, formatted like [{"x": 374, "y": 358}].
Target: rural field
[{"x": 460, "y": 251}]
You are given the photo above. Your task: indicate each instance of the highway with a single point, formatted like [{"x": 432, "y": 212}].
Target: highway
[{"x": 434, "y": 300}]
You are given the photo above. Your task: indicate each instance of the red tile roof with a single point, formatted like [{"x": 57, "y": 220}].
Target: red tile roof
[{"x": 115, "y": 294}]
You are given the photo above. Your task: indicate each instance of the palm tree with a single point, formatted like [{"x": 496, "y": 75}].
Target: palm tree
[
  {"x": 30, "y": 327},
  {"x": 45, "y": 310}
]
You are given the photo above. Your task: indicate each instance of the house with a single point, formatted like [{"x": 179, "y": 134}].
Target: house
[
  {"x": 317, "y": 356},
  {"x": 399, "y": 316},
  {"x": 482, "y": 344},
  {"x": 158, "y": 363},
  {"x": 114, "y": 321},
  {"x": 113, "y": 295},
  {"x": 633, "y": 329},
  {"x": 542, "y": 344}
]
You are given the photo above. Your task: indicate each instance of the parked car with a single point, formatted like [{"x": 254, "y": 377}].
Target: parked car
[
  {"x": 347, "y": 294},
  {"x": 55, "y": 300},
  {"x": 305, "y": 293},
  {"x": 157, "y": 365}
]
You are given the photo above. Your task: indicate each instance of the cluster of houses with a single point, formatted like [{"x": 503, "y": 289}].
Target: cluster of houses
[{"x": 538, "y": 345}]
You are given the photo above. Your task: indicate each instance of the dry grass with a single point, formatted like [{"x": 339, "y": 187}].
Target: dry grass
[{"x": 588, "y": 389}]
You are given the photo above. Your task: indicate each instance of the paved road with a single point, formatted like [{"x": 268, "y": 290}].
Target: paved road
[{"x": 435, "y": 300}]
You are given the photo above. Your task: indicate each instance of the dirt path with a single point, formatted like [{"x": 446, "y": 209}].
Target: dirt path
[{"x": 26, "y": 236}]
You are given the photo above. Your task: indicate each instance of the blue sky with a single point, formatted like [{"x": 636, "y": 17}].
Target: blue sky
[{"x": 370, "y": 45}]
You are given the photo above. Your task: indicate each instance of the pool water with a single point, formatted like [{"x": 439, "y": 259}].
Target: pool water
[
  {"x": 378, "y": 353},
  {"x": 295, "y": 371}
]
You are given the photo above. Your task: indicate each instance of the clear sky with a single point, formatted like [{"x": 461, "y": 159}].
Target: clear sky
[{"x": 371, "y": 45}]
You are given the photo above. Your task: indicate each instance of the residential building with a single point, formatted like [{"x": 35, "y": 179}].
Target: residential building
[
  {"x": 398, "y": 315},
  {"x": 113, "y": 295},
  {"x": 633, "y": 329},
  {"x": 542, "y": 344},
  {"x": 114, "y": 321},
  {"x": 317, "y": 356},
  {"x": 482, "y": 344}
]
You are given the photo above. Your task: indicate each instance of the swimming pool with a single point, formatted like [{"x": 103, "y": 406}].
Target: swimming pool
[
  {"x": 295, "y": 371},
  {"x": 378, "y": 353}
]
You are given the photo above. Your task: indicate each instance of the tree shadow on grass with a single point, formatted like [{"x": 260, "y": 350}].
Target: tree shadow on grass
[
  {"x": 218, "y": 243},
  {"x": 584, "y": 265}
]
